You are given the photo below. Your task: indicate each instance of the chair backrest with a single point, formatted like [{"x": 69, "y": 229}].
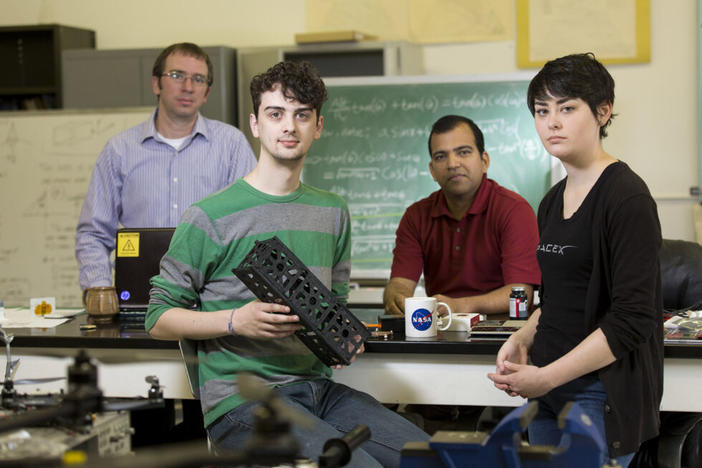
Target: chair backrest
[
  {"x": 188, "y": 350},
  {"x": 681, "y": 274}
]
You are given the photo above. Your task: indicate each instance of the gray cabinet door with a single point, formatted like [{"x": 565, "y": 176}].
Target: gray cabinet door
[{"x": 100, "y": 79}]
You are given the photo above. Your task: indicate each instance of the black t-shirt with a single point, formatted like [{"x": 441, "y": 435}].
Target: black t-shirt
[{"x": 565, "y": 257}]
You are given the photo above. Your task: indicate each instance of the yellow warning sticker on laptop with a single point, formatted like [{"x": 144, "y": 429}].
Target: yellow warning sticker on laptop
[{"x": 127, "y": 244}]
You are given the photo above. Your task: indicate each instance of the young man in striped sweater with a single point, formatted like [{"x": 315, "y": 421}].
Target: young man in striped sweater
[{"x": 197, "y": 296}]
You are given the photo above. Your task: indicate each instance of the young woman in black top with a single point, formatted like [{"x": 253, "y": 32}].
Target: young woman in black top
[{"x": 597, "y": 337}]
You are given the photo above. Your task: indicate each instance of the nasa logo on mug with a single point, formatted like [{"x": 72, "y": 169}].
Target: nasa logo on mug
[{"x": 421, "y": 319}]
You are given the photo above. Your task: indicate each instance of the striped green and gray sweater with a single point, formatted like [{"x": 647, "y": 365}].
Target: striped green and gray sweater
[{"x": 213, "y": 237}]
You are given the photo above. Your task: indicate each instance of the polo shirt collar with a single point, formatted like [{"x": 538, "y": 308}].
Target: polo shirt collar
[
  {"x": 479, "y": 205},
  {"x": 150, "y": 131}
]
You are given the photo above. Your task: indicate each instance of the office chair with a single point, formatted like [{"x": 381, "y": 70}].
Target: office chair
[
  {"x": 681, "y": 281},
  {"x": 188, "y": 351}
]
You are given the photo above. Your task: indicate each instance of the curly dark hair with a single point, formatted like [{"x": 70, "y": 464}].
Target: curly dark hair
[
  {"x": 184, "y": 48},
  {"x": 574, "y": 76},
  {"x": 298, "y": 80}
]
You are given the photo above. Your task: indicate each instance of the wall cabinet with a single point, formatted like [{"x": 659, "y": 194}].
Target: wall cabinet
[
  {"x": 31, "y": 58},
  {"x": 99, "y": 79},
  {"x": 339, "y": 59}
]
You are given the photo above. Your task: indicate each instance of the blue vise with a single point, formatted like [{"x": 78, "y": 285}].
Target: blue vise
[{"x": 581, "y": 446}]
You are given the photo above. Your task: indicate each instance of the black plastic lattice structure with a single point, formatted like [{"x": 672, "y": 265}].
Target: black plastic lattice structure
[{"x": 274, "y": 274}]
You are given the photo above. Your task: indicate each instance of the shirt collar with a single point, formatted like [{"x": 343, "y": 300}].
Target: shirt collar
[
  {"x": 480, "y": 202},
  {"x": 149, "y": 130}
]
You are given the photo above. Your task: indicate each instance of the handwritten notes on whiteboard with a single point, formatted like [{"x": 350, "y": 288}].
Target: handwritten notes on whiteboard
[
  {"x": 374, "y": 152},
  {"x": 46, "y": 159}
]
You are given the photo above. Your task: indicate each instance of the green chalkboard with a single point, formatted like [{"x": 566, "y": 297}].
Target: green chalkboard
[{"x": 373, "y": 152}]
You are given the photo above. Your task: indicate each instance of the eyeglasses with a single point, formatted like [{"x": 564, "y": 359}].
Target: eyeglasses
[{"x": 180, "y": 77}]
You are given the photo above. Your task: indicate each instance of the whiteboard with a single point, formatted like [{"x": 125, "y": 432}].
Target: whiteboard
[{"x": 46, "y": 159}]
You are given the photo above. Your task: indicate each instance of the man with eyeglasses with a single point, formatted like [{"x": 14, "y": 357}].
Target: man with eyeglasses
[{"x": 149, "y": 174}]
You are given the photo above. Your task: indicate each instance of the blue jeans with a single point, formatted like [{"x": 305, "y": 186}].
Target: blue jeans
[
  {"x": 543, "y": 430},
  {"x": 336, "y": 409}
]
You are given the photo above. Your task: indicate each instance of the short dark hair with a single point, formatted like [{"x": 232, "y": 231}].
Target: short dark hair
[
  {"x": 298, "y": 80},
  {"x": 184, "y": 48},
  {"x": 449, "y": 122},
  {"x": 574, "y": 76}
]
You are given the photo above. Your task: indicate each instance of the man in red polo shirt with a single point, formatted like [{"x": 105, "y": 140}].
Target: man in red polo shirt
[{"x": 473, "y": 239}]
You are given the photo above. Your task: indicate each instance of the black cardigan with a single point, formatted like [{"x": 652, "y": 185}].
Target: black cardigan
[{"x": 624, "y": 300}]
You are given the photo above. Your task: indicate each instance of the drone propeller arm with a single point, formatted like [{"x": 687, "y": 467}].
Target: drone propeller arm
[
  {"x": 7, "y": 339},
  {"x": 337, "y": 452},
  {"x": 34, "y": 417},
  {"x": 8, "y": 363},
  {"x": 122, "y": 404}
]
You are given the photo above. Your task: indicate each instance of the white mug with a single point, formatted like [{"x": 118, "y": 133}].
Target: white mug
[{"x": 421, "y": 317}]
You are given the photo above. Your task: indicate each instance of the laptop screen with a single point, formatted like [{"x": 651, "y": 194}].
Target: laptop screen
[{"x": 137, "y": 258}]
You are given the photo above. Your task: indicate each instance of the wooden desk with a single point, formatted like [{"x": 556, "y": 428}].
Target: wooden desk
[{"x": 450, "y": 370}]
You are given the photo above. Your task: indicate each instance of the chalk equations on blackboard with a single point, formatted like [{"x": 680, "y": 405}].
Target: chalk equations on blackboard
[{"x": 373, "y": 152}]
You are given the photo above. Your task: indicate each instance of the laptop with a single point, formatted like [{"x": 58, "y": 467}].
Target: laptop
[{"x": 137, "y": 258}]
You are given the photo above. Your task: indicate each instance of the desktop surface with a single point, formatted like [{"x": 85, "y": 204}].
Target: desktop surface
[
  {"x": 415, "y": 365},
  {"x": 131, "y": 335}
]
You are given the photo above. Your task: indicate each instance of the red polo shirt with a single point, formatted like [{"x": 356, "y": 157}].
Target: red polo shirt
[{"x": 492, "y": 245}]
